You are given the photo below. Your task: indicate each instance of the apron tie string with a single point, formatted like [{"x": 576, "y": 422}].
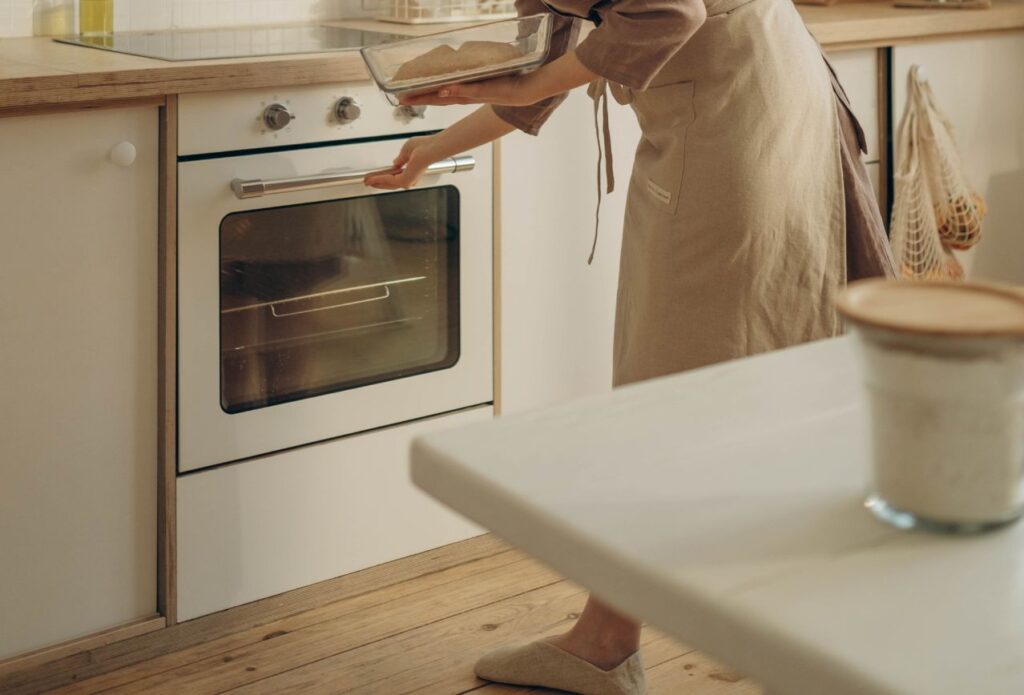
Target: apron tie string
[{"x": 598, "y": 91}]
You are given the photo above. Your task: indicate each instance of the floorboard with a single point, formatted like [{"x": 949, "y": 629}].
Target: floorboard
[{"x": 419, "y": 636}]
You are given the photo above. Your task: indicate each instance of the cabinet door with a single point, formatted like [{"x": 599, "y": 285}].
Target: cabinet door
[
  {"x": 557, "y": 313},
  {"x": 280, "y": 522},
  {"x": 977, "y": 83},
  {"x": 78, "y": 282}
]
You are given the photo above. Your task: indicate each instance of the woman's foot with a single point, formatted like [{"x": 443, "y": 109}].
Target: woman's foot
[
  {"x": 602, "y": 636},
  {"x": 543, "y": 664},
  {"x": 598, "y": 656},
  {"x": 602, "y": 650}
]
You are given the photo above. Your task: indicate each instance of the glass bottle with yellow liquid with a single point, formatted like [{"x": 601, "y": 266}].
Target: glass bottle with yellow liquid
[{"x": 95, "y": 17}]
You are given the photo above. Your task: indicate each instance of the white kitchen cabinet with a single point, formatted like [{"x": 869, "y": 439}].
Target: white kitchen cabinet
[
  {"x": 78, "y": 365},
  {"x": 978, "y": 83},
  {"x": 557, "y": 313},
  {"x": 264, "y": 526},
  {"x": 858, "y": 73}
]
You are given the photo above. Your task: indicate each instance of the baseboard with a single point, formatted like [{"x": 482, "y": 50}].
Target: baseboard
[{"x": 41, "y": 657}]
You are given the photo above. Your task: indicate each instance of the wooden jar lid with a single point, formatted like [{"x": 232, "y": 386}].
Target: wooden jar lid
[{"x": 935, "y": 308}]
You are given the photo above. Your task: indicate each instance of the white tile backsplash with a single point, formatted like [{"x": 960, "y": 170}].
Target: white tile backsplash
[
  {"x": 15, "y": 17},
  {"x": 18, "y": 17}
]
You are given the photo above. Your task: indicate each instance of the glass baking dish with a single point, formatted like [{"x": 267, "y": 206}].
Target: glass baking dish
[{"x": 508, "y": 47}]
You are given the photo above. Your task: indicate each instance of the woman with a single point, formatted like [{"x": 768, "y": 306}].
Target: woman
[{"x": 748, "y": 210}]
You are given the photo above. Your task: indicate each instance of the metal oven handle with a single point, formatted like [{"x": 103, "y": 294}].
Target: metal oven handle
[{"x": 255, "y": 188}]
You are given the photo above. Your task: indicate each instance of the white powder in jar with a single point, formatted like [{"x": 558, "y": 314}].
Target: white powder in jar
[{"x": 948, "y": 432}]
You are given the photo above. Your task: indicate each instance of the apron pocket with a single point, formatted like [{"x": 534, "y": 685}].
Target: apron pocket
[{"x": 665, "y": 114}]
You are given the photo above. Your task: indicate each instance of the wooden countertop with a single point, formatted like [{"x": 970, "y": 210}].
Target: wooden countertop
[
  {"x": 39, "y": 72},
  {"x": 862, "y": 24}
]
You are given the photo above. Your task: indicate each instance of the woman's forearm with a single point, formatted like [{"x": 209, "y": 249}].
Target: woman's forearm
[
  {"x": 478, "y": 128},
  {"x": 483, "y": 125},
  {"x": 560, "y": 76}
]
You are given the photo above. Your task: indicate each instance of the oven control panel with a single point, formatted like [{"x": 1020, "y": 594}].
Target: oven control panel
[
  {"x": 347, "y": 110},
  {"x": 254, "y": 119}
]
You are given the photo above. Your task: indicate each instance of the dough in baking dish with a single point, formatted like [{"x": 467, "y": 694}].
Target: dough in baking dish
[{"x": 444, "y": 60}]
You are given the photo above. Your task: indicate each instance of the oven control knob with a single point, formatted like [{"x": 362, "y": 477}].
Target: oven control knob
[
  {"x": 410, "y": 112},
  {"x": 277, "y": 116},
  {"x": 347, "y": 110}
]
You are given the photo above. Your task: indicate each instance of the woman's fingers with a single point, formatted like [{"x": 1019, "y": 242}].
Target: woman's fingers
[
  {"x": 390, "y": 181},
  {"x": 408, "y": 166},
  {"x": 385, "y": 181},
  {"x": 500, "y": 90},
  {"x": 433, "y": 99}
]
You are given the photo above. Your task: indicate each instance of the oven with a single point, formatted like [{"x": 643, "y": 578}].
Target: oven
[{"x": 311, "y": 307}]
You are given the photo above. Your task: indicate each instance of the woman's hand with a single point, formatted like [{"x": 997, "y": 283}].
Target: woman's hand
[
  {"x": 479, "y": 128},
  {"x": 519, "y": 90},
  {"x": 504, "y": 91},
  {"x": 416, "y": 155}
]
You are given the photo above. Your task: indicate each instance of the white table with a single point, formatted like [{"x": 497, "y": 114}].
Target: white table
[{"x": 725, "y": 507}]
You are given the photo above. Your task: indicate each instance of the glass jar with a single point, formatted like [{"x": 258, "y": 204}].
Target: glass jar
[
  {"x": 943, "y": 366},
  {"x": 53, "y": 17},
  {"x": 947, "y": 420}
]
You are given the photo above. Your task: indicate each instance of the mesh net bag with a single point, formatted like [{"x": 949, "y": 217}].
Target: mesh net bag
[{"x": 934, "y": 209}]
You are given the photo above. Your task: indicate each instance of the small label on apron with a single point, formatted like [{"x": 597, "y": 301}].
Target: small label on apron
[{"x": 659, "y": 192}]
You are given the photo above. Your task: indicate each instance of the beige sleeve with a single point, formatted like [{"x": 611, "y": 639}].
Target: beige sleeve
[
  {"x": 635, "y": 38},
  {"x": 529, "y": 119}
]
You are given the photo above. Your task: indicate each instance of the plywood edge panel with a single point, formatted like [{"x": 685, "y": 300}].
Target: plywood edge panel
[
  {"x": 167, "y": 363},
  {"x": 496, "y": 263},
  {"x": 60, "y": 107}
]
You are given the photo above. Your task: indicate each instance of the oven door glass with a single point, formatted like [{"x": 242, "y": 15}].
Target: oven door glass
[{"x": 327, "y": 296}]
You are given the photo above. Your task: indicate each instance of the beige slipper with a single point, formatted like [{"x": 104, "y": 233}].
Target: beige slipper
[{"x": 543, "y": 664}]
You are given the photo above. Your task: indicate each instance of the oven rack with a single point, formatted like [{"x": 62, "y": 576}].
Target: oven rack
[
  {"x": 321, "y": 335},
  {"x": 273, "y": 305}
]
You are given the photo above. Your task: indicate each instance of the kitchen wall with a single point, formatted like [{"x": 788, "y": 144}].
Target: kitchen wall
[
  {"x": 15, "y": 17},
  {"x": 43, "y": 17}
]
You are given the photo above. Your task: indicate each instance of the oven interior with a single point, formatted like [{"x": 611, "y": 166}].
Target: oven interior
[{"x": 332, "y": 295}]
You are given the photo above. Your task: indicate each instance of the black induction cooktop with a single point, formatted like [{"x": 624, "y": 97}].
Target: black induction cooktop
[{"x": 206, "y": 44}]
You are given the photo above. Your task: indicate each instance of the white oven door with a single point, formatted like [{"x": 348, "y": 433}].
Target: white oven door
[{"x": 319, "y": 307}]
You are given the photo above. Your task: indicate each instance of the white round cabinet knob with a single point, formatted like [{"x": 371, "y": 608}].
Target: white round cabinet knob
[{"x": 123, "y": 154}]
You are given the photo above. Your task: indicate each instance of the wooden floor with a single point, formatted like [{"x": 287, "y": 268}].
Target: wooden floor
[{"x": 421, "y": 635}]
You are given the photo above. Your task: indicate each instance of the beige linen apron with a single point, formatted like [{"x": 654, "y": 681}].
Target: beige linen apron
[{"x": 734, "y": 238}]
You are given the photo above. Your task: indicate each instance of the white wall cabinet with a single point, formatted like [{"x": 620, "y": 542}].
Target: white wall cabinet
[
  {"x": 979, "y": 84},
  {"x": 78, "y": 368}
]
